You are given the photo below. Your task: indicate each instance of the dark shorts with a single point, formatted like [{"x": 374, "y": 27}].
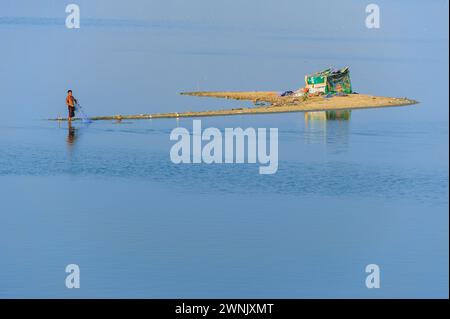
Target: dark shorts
[{"x": 71, "y": 111}]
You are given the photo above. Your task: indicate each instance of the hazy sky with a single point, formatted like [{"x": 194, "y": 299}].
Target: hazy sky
[{"x": 135, "y": 56}]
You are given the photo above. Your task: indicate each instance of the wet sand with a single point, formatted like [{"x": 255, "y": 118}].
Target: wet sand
[{"x": 275, "y": 104}]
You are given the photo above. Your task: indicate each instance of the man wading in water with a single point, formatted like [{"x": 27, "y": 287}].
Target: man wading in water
[{"x": 71, "y": 101}]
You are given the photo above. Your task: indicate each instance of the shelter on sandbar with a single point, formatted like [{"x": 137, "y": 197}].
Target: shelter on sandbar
[{"x": 329, "y": 81}]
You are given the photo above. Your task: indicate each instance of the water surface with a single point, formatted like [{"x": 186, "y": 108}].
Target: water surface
[{"x": 372, "y": 189}]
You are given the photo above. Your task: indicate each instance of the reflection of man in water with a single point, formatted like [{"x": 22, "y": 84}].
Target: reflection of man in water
[{"x": 71, "y": 134}]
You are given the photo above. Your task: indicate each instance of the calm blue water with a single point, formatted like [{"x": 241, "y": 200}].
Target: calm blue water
[{"x": 106, "y": 196}]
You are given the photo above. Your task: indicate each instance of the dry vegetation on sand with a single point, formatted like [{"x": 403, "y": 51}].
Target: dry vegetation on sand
[{"x": 276, "y": 104}]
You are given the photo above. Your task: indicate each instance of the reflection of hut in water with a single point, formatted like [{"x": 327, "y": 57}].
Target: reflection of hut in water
[
  {"x": 328, "y": 127},
  {"x": 328, "y": 115}
]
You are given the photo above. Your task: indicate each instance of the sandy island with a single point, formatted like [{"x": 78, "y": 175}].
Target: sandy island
[{"x": 271, "y": 102}]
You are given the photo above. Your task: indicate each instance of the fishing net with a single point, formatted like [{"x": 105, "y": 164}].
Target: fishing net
[{"x": 82, "y": 115}]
